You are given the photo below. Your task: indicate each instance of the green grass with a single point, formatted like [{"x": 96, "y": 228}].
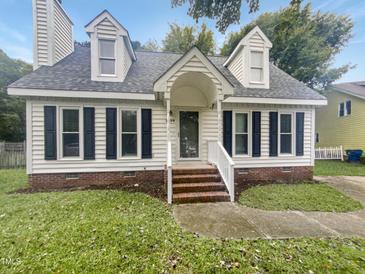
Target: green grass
[
  {"x": 301, "y": 196},
  {"x": 338, "y": 168},
  {"x": 113, "y": 231}
]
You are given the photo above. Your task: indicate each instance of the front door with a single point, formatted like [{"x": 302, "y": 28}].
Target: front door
[{"x": 189, "y": 134}]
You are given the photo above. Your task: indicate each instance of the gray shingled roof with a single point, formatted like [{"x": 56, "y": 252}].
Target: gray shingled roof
[
  {"x": 354, "y": 88},
  {"x": 74, "y": 73}
]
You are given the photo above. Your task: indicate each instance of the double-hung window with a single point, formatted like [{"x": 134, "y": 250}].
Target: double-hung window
[
  {"x": 107, "y": 57},
  {"x": 286, "y": 134},
  {"x": 70, "y": 132},
  {"x": 257, "y": 66},
  {"x": 241, "y": 134},
  {"x": 129, "y": 133},
  {"x": 344, "y": 108}
]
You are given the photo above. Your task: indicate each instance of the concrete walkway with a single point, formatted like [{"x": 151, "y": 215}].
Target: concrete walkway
[{"x": 231, "y": 220}]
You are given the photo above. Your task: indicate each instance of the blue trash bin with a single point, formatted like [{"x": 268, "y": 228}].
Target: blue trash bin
[{"x": 354, "y": 155}]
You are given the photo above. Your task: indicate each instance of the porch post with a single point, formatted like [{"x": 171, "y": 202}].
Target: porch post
[
  {"x": 168, "y": 109},
  {"x": 219, "y": 112}
]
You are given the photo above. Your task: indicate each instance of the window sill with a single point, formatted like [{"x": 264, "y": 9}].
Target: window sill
[
  {"x": 130, "y": 158},
  {"x": 108, "y": 75},
  {"x": 70, "y": 159},
  {"x": 257, "y": 83},
  {"x": 241, "y": 156},
  {"x": 286, "y": 155}
]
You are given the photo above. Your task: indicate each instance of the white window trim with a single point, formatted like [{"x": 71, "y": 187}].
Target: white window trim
[
  {"x": 107, "y": 58},
  {"x": 345, "y": 112},
  {"x": 293, "y": 133},
  {"x": 60, "y": 133},
  {"x": 119, "y": 131},
  {"x": 339, "y": 109},
  {"x": 249, "y": 132},
  {"x": 254, "y": 67}
]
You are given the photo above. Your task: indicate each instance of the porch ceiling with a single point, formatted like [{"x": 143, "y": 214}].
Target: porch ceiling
[{"x": 193, "y": 89}]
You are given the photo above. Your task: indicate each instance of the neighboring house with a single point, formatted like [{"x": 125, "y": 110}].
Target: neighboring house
[
  {"x": 342, "y": 121},
  {"x": 109, "y": 115}
]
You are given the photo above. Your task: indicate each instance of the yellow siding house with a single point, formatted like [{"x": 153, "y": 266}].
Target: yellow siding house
[{"x": 342, "y": 121}]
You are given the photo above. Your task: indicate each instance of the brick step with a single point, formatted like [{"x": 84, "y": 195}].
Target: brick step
[
  {"x": 201, "y": 197},
  {"x": 195, "y": 178},
  {"x": 190, "y": 171},
  {"x": 198, "y": 187}
]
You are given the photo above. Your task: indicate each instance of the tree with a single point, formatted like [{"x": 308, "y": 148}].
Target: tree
[
  {"x": 304, "y": 43},
  {"x": 205, "y": 40},
  {"x": 85, "y": 44},
  {"x": 12, "y": 109},
  {"x": 136, "y": 45},
  {"x": 181, "y": 39},
  {"x": 151, "y": 45},
  {"x": 225, "y": 12}
]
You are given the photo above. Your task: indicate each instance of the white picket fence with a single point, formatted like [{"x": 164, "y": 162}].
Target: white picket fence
[{"x": 329, "y": 153}]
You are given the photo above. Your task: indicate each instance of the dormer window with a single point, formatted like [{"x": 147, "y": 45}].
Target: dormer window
[
  {"x": 112, "y": 53},
  {"x": 257, "y": 66},
  {"x": 107, "y": 57},
  {"x": 249, "y": 62}
]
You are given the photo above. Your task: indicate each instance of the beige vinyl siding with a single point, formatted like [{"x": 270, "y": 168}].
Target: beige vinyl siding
[
  {"x": 256, "y": 41},
  {"x": 194, "y": 65},
  {"x": 127, "y": 60},
  {"x": 63, "y": 33},
  {"x": 208, "y": 131},
  {"x": 41, "y": 34},
  {"x": 265, "y": 160},
  {"x": 236, "y": 66},
  {"x": 106, "y": 30},
  {"x": 208, "y": 118},
  {"x": 348, "y": 131},
  {"x": 39, "y": 165},
  {"x": 53, "y": 38}
]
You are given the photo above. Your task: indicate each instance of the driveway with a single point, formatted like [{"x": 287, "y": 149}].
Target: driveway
[{"x": 231, "y": 220}]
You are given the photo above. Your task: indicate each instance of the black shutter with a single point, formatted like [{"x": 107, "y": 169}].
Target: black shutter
[
  {"x": 348, "y": 107},
  {"x": 111, "y": 133},
  {"x": 50, "y": 133},
  {"x": 89, "y": 133},
  {"x": 146, "y": 133},
  {"x": 256, "y": 134},
  {"x": 300, "y": 133},
  {"x": 273, "y": 140},
  {"x": 227, "y": 131}
]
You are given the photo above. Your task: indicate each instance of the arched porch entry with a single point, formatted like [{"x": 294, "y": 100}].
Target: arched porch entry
[
  {"x": 193, "y": 115},
  {"x": 192, "y": 91}
]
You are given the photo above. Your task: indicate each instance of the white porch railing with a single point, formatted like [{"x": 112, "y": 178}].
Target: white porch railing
[
  {"x": 218, "y": 156},
  {"x": 329, "y": 153},
  {"x": 169, "y": 172}
]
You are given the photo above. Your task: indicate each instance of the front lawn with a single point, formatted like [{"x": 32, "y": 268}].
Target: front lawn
[
  {"x": 301, "y": 196},
  {"x": 109, "y": 231},
  {"x": 338, "y": 168}
]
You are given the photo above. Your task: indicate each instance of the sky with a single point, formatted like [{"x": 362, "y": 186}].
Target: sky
[{"x": 149, "y": 19}]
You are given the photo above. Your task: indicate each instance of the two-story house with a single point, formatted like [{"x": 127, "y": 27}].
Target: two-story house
[{"x": 342, "y": 121}]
